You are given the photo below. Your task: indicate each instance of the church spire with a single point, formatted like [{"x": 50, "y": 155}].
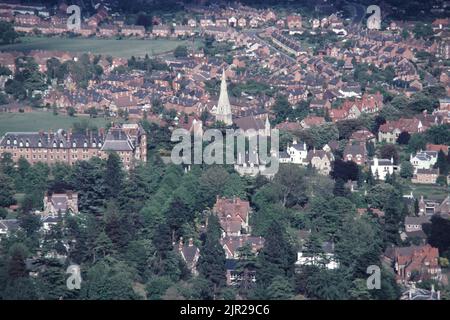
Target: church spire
[{"x": 223, "y": 106}]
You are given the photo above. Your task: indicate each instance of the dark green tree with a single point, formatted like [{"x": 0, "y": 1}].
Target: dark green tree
[
  {"x": 211, "y": 263},
  {"x": 113, "y": 176}
]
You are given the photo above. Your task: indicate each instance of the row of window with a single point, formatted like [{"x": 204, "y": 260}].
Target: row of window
[
  {"x": 61, "y": 145},
  {"x": 33, "y": 150},
  {"x": 74, "y": 156}
]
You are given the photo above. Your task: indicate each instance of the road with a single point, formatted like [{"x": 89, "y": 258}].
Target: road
[
  {"x": 359, "y": 12},
  {"x": 255, "y": 34}
]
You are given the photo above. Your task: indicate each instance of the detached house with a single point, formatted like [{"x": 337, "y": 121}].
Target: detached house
[
  {"x": 231, "y": 245},
  {"x": 381, "y": 167},
  {"x": 320, "y": 160},
  {"x": 233, "y": 215},
  {"x": 295, "y": 153},
  {"x": 190, "y": 254},
  {"x": 362, "y": 136},
  {"x": 356, "y": 153},
  {"x": 413, "y": 226},
  {"x": 294, "y": 22},
  {"x": 64, "y": 203},
  {"x": 424, "y": 159},
  {"x": 425, "y": 176},
  {"x": 414, "y": 263},
  {"x": 327, "y": 259},
  {"x": 390, "y": 131}
]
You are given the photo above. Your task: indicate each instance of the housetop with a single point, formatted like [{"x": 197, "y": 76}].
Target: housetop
[{"x": 416, "y": 220}]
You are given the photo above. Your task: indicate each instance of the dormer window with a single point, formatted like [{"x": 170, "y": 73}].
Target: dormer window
[
  {"x": 99, "y": 144},
  {"x": 27, "y": 144},
  {"x": 8, "y": 142},
  {"x": 20, "y": 144},
  {"x": 85, "y": 144},
  {"x": 74, "y": 145},
  {"x": 39, "y": 144},
  {"x": 61, "y": 145},
  {"x": 93, "y": 145},
  {"x": 54, "y": 144},
  {"x": 15, "y": 142}
]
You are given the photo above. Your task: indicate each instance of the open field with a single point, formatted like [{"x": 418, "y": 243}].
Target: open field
[
  {"x": 119, "y": 48},
  {"x": 41, "y": 120},
  {"x": 429, "y": 191}
]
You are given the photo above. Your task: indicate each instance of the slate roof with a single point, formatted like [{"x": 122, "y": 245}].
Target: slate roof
[
  {"x": 59, "y": 139},
  {"x": 116, "y": 140}
]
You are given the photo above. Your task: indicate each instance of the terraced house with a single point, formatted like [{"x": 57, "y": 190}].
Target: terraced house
[{"x": 128, "y": 140}]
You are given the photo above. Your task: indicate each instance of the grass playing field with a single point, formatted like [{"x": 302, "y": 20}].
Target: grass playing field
[
  {"x": 41, "y": 120},
  {"x": 119, "y": 48},
  {"x": 428, "y": 191}
]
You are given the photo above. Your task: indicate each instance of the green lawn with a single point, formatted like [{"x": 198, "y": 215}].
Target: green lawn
[
  {"x": 41, "y": 120},
  {"x": 428, "y": 191},
  {"x": 119, "y": 48}
]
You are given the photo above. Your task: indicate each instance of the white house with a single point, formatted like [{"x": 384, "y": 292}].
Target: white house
[
  {"x": 326, "y": 259},
  {"x": 381, "y": 167},
  {"x": 424, "y": 159},
  {"x": 232, "y": 21},
  {"x": 297, "y": 152}
]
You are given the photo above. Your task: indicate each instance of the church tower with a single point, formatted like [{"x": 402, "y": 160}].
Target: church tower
[{"x": 223, "y": 112}]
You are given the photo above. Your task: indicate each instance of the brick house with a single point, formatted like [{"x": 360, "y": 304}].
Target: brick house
[
  {"x": 294, "y": 21},
  {"x": 161, "y": 31},
  {"x": 390, "y": 131},
  {"x": 425, "y": 176},
  {"x": 108, "y": 30},
  {"x": 233, "y": 215},
  {"x": 363, "y": 136},
  {"x": 27, "y": 19},
  {"x": 414, "y": 263},
  {"x": 132, "y": 30},
  {"x": 231, "y": 244},
  {"x": 128, "y": 140}
]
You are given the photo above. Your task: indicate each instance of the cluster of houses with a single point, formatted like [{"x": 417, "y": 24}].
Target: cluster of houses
[
  {"x": 104, "y": 23},
  {"x": 56, "y": 206},
  {"x": 233, "y": 214}
]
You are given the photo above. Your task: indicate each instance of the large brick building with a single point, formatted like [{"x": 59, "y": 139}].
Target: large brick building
[{"x": 128, "y": 140}]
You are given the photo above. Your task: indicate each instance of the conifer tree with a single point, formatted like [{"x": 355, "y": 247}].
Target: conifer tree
[{"x": 211, "y": 263}]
